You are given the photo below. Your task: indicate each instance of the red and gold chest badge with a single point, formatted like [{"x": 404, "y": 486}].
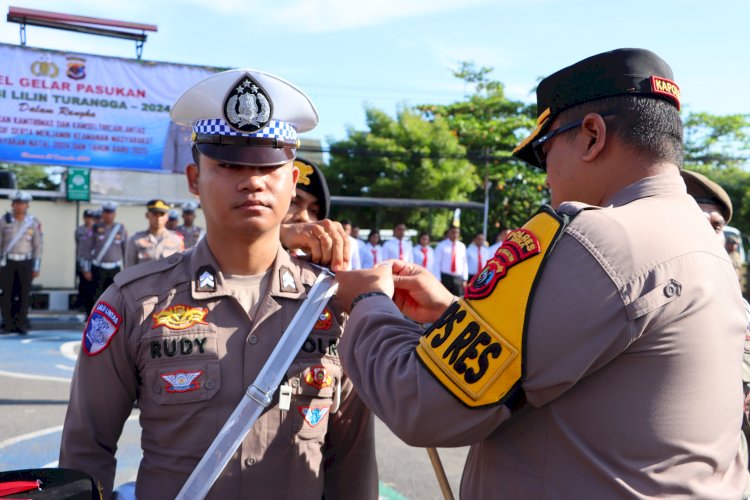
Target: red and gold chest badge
[
  {"x": 518, "y": 246},
  {"x": 325, "y": 320},
  {"x": 179, "y": 317},
  {"x": 318, "y": 377}
]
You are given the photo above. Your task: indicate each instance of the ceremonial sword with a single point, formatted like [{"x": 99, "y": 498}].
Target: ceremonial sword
[{"x": 260, "y": 393}]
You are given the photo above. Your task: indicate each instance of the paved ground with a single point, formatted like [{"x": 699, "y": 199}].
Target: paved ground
[{"x": 35, "y": 371}]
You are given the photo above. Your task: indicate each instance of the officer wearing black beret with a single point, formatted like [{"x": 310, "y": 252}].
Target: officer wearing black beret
[{"x": 565, "y": 363}]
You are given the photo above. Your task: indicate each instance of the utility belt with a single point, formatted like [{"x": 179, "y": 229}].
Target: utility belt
[
  {"x": 109, "y": 265},
  {"x": 19, "y": 256}
]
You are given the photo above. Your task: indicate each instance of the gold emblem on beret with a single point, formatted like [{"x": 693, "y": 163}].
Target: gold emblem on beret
[{"x": 305, "y": 171}]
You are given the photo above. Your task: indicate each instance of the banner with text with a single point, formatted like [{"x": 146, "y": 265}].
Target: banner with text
[{"x": 79, "y": 110}]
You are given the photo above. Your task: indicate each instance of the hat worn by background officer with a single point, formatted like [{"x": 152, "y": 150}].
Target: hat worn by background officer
[
  {"x": 21, "y": 196},
  {"x": 635, "y": 72},
  {"x": 312, "y": 180},
  {"x": 189, "y": 207},
  {"x": 109, "y": 207},
  {"x": 157, "y": 206},
  {"x": 704, "y": 190}
]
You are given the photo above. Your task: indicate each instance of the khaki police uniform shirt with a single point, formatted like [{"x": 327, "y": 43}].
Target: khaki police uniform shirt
[
  {"x": 29, "y": 244},
  {"x": 100, "y": 234},
  {"x": 323, "y": 444},
  {"x": 633, "y": 388},
  {"x": 82, "y": 233},
  {"x": 144, "y": 246},
  {"x": 190, "y": 235}
]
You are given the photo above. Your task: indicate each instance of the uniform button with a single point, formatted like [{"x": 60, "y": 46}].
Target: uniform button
[
  {"x": 671, "y": 289},
  {"x": 295, "y": 382},
  {"x": 210, "y": 384},
  {"x": 250, "y": 461},
  {"x": 253, "y": 339},
  {"x": 157, "y": 388}
]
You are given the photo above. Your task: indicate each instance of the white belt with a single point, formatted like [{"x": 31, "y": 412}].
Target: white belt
[
  {"x": 19, "y": 256},
  {"x": 109, "y": 265}
]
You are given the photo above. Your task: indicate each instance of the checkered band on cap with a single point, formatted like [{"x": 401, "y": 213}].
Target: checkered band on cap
[{"x": 275, "y": 129}]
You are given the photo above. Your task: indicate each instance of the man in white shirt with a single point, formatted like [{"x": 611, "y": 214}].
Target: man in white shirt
[
  {"x": 424, "y": 255},
  {"x": 498, "y": 240},
  {"x": 450, "y": 260},
  {"x": 372, "y": 252},
  {"x": 354, "y": 262},
  {"x": 399, "y": 247},
  {"x": 477, "y": 255}
]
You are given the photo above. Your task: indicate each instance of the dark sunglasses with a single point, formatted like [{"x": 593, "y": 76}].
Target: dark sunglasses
[{"x": 536, "y": 146}]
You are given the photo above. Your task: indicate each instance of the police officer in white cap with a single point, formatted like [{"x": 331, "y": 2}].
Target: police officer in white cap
[
  {"x": 189, "y": 231},
  {"x": 21, "y": 247},
  {"x": 185, "y": 335}
]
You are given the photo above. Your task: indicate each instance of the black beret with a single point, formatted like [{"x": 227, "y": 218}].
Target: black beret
[
  {"x": 618, "y": 72},
  {"x": 704, "y": 190},
  {"x": 312, "y": 180}
]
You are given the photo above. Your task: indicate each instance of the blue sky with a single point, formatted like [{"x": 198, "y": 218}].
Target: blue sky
[{"x": 391, "y": 53}]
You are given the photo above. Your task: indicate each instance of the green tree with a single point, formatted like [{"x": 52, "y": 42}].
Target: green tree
[
  {"x": 409, "y": 157},
  {"x": 36, "y": 177}
]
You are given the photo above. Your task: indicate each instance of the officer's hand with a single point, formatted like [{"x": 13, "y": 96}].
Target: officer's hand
[
  {"x": 88, "y": 276},
  {"x": 324, "y": 241},
  {"x": 418, "y": 294},
  {"x": 354, "y": 283}
]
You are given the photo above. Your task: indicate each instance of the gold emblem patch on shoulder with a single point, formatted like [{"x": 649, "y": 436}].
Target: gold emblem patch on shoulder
[
  {"x": 476, "y": 347},
  {"x": 179, "y": 317}
]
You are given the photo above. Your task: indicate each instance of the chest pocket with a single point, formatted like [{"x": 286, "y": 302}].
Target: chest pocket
[{"x": 315, "y": 384}]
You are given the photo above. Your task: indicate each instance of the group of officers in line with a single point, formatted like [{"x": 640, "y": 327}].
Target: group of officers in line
[
  {"x": 594, "y": 356},
  {"x": 103, "y": 247}
]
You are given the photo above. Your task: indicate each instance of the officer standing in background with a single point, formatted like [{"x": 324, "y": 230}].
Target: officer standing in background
[
  {"x": 477, "y": 254},
  {"x": 86, "y": 288},
  {"x": 157, "y": 241},
  {"x": 189, "y": 231},
  {"x": 21, "y": 246},
  {"x": 104, "y": 253},
  {"x": 186, "y": 335},
  {"x": 598, "y": 354},
  {"x": 173, "y": 219},
  {"x": 398, "y": 247},
  {"x": 450, "y": 262}
]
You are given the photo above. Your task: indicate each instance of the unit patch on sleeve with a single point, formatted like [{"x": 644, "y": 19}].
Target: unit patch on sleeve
[
  {"x": 475, "y": 350},
  {"x": 101, "y": 327},
  {"x": 519, "y": 245},
  {"x": 181, "y": 381},
  {"x": 313, "y": 416},
  {"x": 318, "y": 377},
  {"x": 179, "y": 317}
]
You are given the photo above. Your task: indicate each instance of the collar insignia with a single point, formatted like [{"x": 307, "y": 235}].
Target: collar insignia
[
  {"x": 287, "y": 280},
  {"x": 247, "y": 107},
  {"x": 318, "y": 377},
  {"x": 181, "y": 381},
  {"x": 324, "y": 320},
  {"x": 305, "y": 171},
  {"x": 313, "y": 416},
  {"x": 179, "y": 317},
  {"x": 205, "y": 279}
]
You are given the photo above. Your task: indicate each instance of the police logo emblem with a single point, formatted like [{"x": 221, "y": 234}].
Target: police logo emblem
[
  {"x": 325, "y": 320},
  {"x": 318, "y": 377},
  {"x": 101, "y": 327},
  {"x": 247, "y": 107},
  {"x": 181, "y": 381},
  {"x": 313, "y": 416}
]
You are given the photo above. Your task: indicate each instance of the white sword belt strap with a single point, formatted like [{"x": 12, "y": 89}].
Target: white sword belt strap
[
  {"x": 26, "y": 224},
  {"x": 112, "y": 235},
  {"x": 260, "y": 393}
]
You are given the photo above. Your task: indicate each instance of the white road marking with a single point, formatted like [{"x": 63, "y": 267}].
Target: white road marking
[
  {"x": 33, "y": 377},
  {"x": 40, "y": 433},
  {"x": 68, "y": 349}
]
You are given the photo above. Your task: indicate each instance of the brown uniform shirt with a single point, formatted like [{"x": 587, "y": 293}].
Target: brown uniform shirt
[
  {"x": 191, "y": 234},
  {"x": 144, "y": 246},
  {"x": 30, "y": 244},
  {"x": 94, "y": 244},
  {"x": 150, "y": 342},
  {"x": 633, "y": 387}
]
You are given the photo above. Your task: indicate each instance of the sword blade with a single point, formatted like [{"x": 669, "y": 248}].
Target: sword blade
[{"x": 259, "y": 394}]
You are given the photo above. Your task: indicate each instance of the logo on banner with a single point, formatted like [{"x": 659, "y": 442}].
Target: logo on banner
[
  {"x": 45, "y": 68},
  {"x": 76, "y": 68}
]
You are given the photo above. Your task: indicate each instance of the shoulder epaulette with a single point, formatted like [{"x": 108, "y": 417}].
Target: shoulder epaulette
[
  {"x": 131, "y": 274},
  {"x": 307, "y": 271}
]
